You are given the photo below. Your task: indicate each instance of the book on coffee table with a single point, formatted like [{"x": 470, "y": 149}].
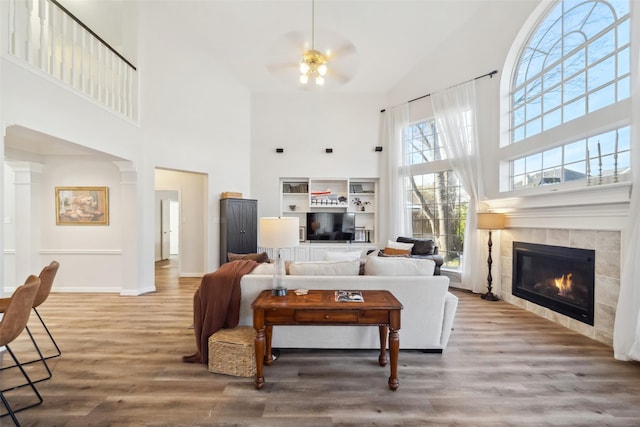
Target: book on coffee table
[{"x": 349, "y": 296}]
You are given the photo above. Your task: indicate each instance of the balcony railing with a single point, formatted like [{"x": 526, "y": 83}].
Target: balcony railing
[{"x": 47, "y": 36}]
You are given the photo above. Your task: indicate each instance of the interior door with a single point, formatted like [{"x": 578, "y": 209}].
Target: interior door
[{"x": 165, "y": 228}]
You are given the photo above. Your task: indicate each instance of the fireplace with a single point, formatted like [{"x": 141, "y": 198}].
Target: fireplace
[{"x": 558, "y": 278}]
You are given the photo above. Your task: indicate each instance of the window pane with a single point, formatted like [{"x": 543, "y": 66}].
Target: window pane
[
  {"x": 574, "y": 63},
  {"x": 552, "y": 77},
  {"x": 534, "y": 108},
  {"x": 552, "y": 99},
  {"x": 599, "y": 19},
  {"x": 533, "y": 127},
  {"x": 575, "y": 87},
  {"x": 574, "y": 171},
  {"x": 623, "y": 32},
  {"x": 602, "y": 98},
  {"x": 552, "y": 119},
  {"x": 602, "y": 73},
  {"x": 623, "y": 62},
  {"x": 575, "y": 151},
  {"x": 574, "y": 109},
  {"x": 624, "y": 89},
  {"x": 518, "y": 116},
  {"x": 552, "y": 158},
  {"x": 518, "y": 166},
  {"x": 602, "y": 46},
  {"x": 439, "y": 211},
  {"x": 533, "y": 163}
]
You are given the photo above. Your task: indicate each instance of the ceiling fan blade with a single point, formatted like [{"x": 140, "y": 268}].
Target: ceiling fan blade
[
  {"x": 296, "y": 39},
  {"x": 338, "y": 76},
  {"x": 282, "y": 66},
  {"x": 342, "y": 51}
]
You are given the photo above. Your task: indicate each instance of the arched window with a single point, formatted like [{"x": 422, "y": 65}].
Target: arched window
[{"x": 574, "y": 65}]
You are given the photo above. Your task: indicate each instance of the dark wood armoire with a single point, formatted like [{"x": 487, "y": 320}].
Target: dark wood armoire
[{"x": 238, "y": 227}]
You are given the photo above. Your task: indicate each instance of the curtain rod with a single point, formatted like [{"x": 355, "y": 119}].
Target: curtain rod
[{"x": 424, "y": 96}]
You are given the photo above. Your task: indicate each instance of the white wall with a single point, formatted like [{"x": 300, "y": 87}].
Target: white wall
[
  {"x": 304, "y": 125},
  {"x": 193, "y": 117}
]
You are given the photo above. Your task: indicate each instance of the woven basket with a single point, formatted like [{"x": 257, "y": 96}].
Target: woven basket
[{"x": 231, "y": 352}]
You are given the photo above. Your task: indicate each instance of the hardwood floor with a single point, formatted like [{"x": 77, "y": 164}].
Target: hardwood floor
[{"x": 121, "y": 365}]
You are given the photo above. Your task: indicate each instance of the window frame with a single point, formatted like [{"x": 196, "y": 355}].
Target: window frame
[{"x": 615, "y": 115}]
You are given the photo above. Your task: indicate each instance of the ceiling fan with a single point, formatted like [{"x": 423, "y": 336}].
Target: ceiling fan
[{"x": 313, "y": 65}]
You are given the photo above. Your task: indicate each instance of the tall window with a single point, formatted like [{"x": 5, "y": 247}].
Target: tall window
[
  {"x": 575, "y": 64},
  {"x": 438, "y": 201}
]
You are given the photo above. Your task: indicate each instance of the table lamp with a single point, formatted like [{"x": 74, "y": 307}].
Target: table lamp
[
  {"x": 277, "y": 233},
  {"x": 490, "y": 221}
]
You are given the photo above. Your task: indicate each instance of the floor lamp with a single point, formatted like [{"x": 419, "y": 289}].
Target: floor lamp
[
  {"x": 490, "y": 221},
  {"x": 278, "y": 233}
]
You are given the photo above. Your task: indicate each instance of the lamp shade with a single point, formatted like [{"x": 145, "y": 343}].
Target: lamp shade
[
  {"x": 279, "y": 232},
  {"x": 491, "y": 221}
]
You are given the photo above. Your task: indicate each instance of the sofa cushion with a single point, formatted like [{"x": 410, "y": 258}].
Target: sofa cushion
[
  {"x": 325, "y": 268},
  {"x": 395, "y": 252},
  {"x": 420, "y": 246},
  {"x": 399, "y": 245},
  {"x": 263, "y": 269},
  {"x": 399, "y": 266},
  {"x": 342, "y": 256},
  {"x": 261, "y": 257}
]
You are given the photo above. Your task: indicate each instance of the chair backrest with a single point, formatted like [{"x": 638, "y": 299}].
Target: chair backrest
[
  {"x": 46, "y": 282},
  {"x": 17, "y": 312}
]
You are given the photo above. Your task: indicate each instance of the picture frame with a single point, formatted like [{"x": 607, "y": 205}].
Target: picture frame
[
  {"x": 302, "y": 233},
  {"x": 359, "y": 235},
  {"x": 82, "y": 205}
]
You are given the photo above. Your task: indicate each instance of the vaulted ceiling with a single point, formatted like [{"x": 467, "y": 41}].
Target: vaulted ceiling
[{"x": 260, "y": 41}]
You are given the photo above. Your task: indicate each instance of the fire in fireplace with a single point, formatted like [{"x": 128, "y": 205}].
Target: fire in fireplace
[{"x": 555, "y": 277}]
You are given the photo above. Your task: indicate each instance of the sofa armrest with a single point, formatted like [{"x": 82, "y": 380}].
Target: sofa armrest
[{"x": 450, "y": 308}]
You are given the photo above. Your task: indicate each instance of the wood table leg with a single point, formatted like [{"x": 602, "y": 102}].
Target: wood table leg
[
  {"x": 258, "y": 325},
  {"x": 268, "y": 354},
  {"x": 382, "y": 359},
  {"x": 394, "y": 347}
]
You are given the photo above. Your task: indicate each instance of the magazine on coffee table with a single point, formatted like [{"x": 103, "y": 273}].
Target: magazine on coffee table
[{"x": 349, "y": 296}]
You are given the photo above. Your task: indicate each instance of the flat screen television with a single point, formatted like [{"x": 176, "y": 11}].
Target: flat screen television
[{"x": 331, "y": 226}]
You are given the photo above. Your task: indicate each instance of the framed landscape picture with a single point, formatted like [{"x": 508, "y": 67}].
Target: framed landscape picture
[{"x": 82, "y": 206}]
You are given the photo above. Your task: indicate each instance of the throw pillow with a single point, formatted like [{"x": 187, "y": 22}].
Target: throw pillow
[
  {"x": 394, "y": 251},
  {"x": 399, "y": 266},
  {"x": 399, "y": 245},
  {"x": 261, "y": 257},
  {"x": 342, "y": 256},
  {"x": 420, "y": 246},
  {"x": 325, "y": 268},
  {"x": 264, "y": 269}
]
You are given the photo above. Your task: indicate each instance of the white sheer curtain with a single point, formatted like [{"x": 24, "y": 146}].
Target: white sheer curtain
[
  {"x": 626, "y": 329},
  {"x": 397, "y": 210},
  {"x": 455, "y": 114}
]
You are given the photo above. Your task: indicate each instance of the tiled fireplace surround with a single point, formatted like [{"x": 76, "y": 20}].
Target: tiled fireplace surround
[{"x": 607, "y": 274}]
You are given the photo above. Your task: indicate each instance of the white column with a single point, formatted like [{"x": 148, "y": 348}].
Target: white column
[
  {"x": 28, "y": 208},
  {"x": 132, "y": 282}
]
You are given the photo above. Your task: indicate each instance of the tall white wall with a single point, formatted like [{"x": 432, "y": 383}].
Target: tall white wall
[
  {"x": 194, "y": 117},
  {"x": 304, "y": 125}
]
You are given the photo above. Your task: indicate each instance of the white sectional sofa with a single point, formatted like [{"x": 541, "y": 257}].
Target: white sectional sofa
[{"x": 426, "y": 319}]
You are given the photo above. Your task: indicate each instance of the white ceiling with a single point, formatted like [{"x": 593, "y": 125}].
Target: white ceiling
[{"x": 246, "y": 36}]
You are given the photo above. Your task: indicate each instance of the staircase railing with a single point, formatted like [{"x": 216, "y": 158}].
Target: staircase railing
[{"x": 49, "y": 37}]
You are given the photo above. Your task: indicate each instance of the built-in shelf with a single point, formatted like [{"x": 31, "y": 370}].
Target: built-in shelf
[{"x": 358, "y": 195}]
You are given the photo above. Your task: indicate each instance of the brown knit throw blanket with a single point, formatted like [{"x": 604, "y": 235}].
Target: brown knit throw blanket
[{"x": 216, "y": 305}]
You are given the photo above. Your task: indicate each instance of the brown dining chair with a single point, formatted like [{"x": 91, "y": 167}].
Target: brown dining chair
[
  {"x": 14, "y": 321},
  {"x": 46, "y": 277}
]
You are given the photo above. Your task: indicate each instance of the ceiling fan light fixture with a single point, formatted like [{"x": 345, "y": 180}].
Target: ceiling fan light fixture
[{"x": 313, "y": 63}]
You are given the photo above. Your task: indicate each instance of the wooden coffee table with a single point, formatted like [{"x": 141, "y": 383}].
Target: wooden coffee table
[{"x": 319, "y": 307}]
